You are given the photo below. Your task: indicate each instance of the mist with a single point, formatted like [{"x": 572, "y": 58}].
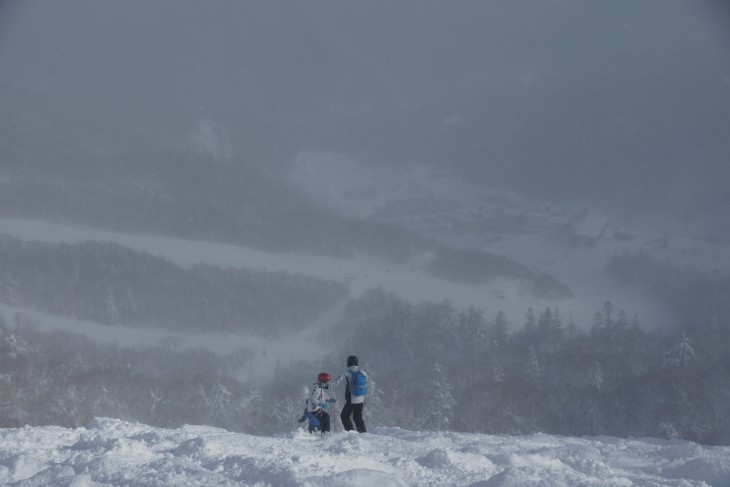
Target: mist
[
  {"x": 260, "y": 189},
  {"x": 621, "y": 104}
]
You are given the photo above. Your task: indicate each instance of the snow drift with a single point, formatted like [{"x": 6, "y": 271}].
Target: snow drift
[{"x": 115, "y": 452}]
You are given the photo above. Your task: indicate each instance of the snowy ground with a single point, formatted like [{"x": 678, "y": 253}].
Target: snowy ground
[{"x": 111, "y": 452}]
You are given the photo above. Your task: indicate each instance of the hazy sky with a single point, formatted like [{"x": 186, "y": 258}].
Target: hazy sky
[{"x": 619, "y": 99}]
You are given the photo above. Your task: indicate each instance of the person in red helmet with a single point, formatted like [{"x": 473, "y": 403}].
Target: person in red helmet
[{"x": 318, "y": 403}]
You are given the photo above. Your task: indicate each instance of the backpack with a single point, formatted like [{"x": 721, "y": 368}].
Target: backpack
[{"x": 358, "y": 383}]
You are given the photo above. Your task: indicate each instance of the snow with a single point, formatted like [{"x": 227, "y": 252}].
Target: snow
[
  {"x": 582, "y": 269},
  {"x": 591, "y": 227},
  {"x": 349, "y": 188},
  {"x": 114, "y": 452},
  {"x": 410, "y": 281},
  {"x": 362, "y": 273},
  {"x": 442, "y": 200},
  {"x": 111, "y": 452},
  {"x": 344, "y": 185},
  {"x": 363, "y": 192}
]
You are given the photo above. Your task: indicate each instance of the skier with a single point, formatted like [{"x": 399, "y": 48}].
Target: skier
[
  {"x": 317, "y": 405},
  {"x": 355, "y": 392}
]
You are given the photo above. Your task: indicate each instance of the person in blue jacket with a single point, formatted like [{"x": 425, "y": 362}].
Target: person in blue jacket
[{"x": 355, "y": 393}]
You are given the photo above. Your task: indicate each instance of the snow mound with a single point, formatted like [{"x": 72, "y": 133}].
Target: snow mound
[
  {"x": 365, "y": 477},
  {"x": 435, "y": 459},
  {"x": 110, "y": 452}
]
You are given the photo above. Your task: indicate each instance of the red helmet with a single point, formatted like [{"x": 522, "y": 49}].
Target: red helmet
[{"x": 323, "y": 377}]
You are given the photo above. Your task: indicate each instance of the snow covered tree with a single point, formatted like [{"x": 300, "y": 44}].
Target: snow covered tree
[
  {"x": 106, "y": 404},
  {"x": 500, "y": 331},
  {"x": 549, "y": 330},
  {"x": 681, "y": 354},
  {"x": 440, "y": 402},
  {"x": 8, "y": 289},
  {"x": 545, "y": 323},
  {"x": 156, "y": 395},
  {"x": 596, "y": 377},
  {"x": 607, "y": 312},
  {"x": 111, "y": 312},
  {"x": 254, "y": 411},
  {"x": 12, "y": 348},
  {"x": 285, "y": 411},
  {"x": 530, "y": 329},
  {"x": 532, "y": 369},
  {"x": 66, "y": 407},
  {"x": 497, "y": 374},
  {"x": 375, "y": 409},
  {"x": 218, "y": 401},
  {"x": 474, "y": 329}
]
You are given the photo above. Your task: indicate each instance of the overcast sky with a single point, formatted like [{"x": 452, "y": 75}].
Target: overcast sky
[{"x": 619, "y": 99}]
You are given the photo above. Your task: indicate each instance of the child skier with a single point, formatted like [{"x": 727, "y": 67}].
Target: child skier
[{"x": 317, "y": 405}]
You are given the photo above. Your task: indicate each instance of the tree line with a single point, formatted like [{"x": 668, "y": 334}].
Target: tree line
[
  {"x": 441, "y": 368},
  {"x": 694, "y": 296},
  {"x": 475, "y": 266},
  {"x": 431, "y": 366},
  {"x": 66, "y": 379},
  {"x": 108, "y": 283}
]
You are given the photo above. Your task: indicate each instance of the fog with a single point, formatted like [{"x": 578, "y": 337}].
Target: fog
[
  {"x": 623, "y": 104},
  {"x": 409, "y": 181}
]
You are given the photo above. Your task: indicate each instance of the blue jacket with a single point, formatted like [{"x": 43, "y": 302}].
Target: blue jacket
[{"x": 346, "y": 377}]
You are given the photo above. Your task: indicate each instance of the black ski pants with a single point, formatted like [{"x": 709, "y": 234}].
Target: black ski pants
[{"x": 354, "y": 410}]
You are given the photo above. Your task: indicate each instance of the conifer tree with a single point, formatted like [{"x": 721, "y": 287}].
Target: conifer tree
[
  {"x": 111, "y": 313},
  {"x": 475, "y": 330},
  {"x": 530, "y": 328},
  {"x": 501, "y": 329},
  {"x": 608, "y": 312},
  {"x": 532, "y": 368},
  {"x": 440, "y": 402},
  {"x": 681, "y": 354},
  {"x": 596, "y": 377},
  {"x": 545, "y": 323},
  {"x": 8, "y": 289}
]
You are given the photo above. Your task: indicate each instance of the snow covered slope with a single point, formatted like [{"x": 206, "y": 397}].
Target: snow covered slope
[
  {"x": 114, "y": 452},
  {"x": 543, "y": 236},
  {"x": 410, "y": 281}
]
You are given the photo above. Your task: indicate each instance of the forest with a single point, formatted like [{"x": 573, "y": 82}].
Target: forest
[
  {"x": 431, "y": 367},
  {"x": 111, "y": 284}
]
